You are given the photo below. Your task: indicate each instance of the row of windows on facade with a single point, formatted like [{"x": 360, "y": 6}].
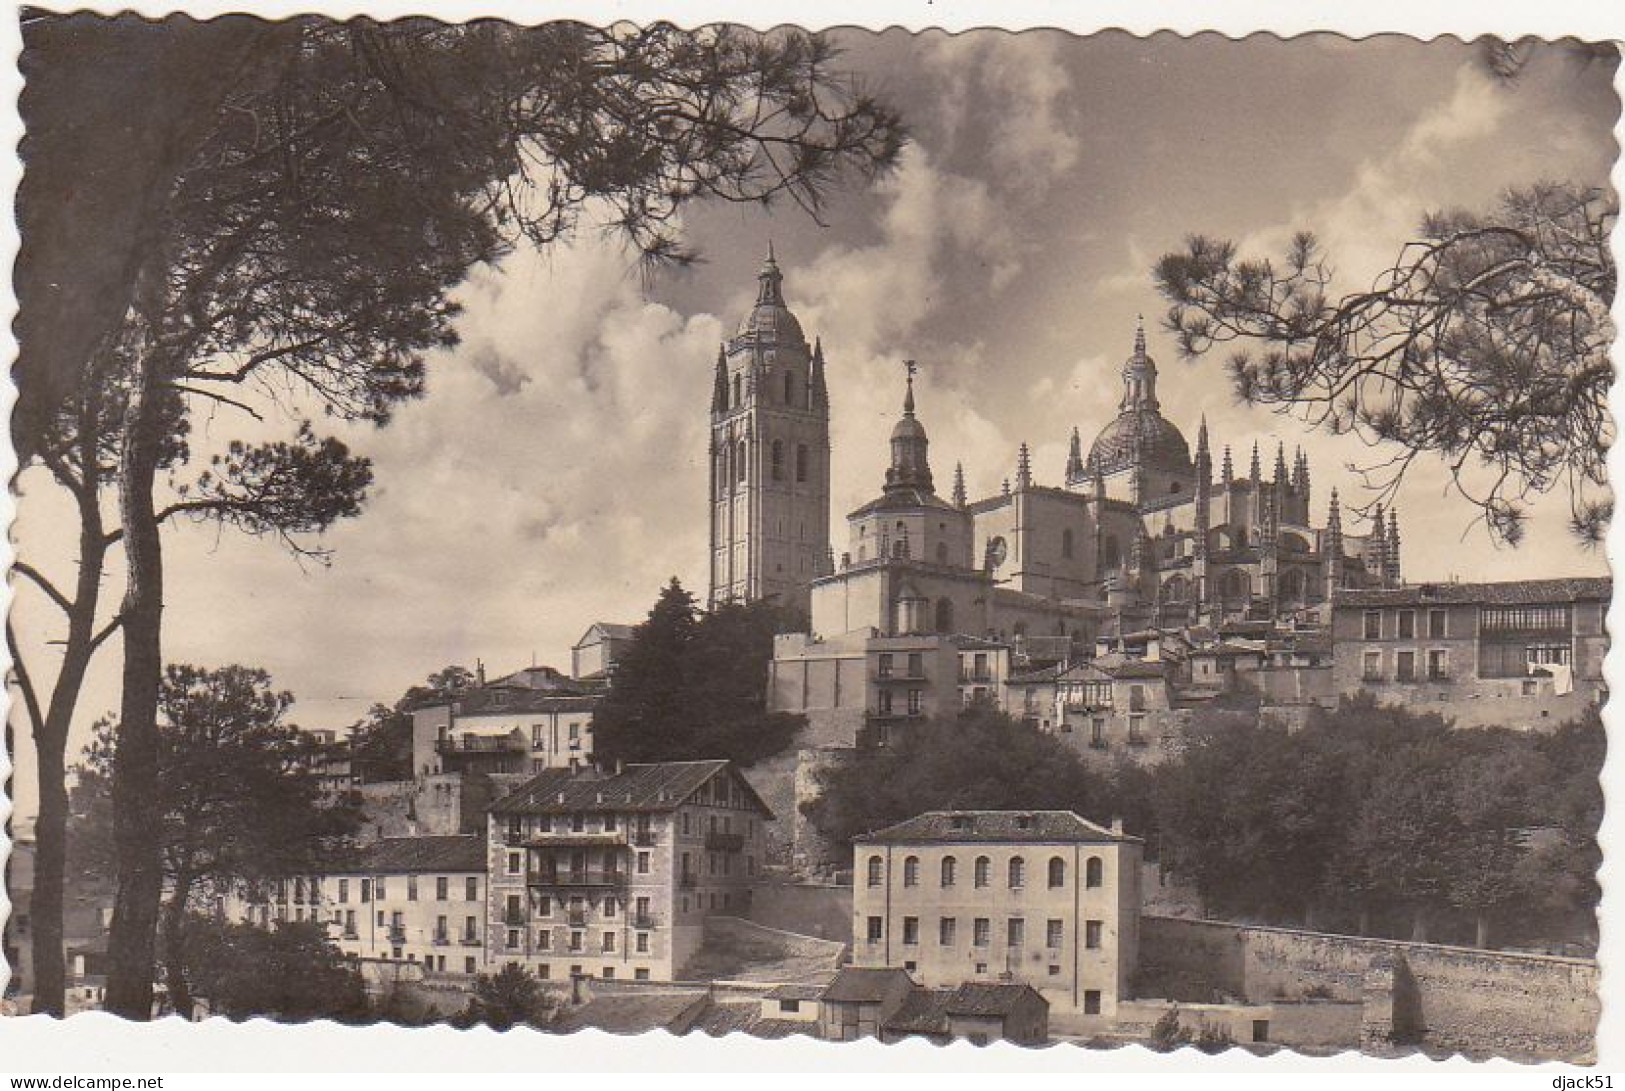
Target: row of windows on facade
[
  {"x": 576, "y": 942},
  {"x": 376, "y": 888},
  {"x": 1094, "y": 871},
  {"x": 545, "y": 972},
  {"x": 1404, "y": 624},
  {"x": 396, "y": 923},
  {"x": 574, "y": 908},
  {"x": 1015, "y": 932},
  {"x": 733, "y": 462},
  {"x": 1495, "y": 660},
  {"x": 609, "y": 822},
  {"x": 577, "y": 864}
]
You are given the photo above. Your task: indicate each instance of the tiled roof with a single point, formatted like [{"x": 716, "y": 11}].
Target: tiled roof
[
  {"x": 398, "y": 855},
  {"x": 1045, "y": 674},
  {"x": 780, "y": 1028},
  {"x": 614, "y": 630},
  {"x": 1038, "y": 827},
  {"x": 923, "y": 1011},
  {"x": 986, "y": 998},
  {"x": 863, "y": 985},
  {"x": 660, "y": 786},
  {"x": 1507, "y": 593},
  {"x": 795, "y": 991},
  {"x": 728, "y": 1017},
  {"x": 1137, "y": 668},
  {"x": 634, "y": 1013},
  {"x": 499, "y": 700}
]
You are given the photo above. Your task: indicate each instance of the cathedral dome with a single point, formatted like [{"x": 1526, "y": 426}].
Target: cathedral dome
[
  {"x": 1156, "y": 439},
  {"x": 1140, "y": 434},
  {"x": 770, "y": 321}
]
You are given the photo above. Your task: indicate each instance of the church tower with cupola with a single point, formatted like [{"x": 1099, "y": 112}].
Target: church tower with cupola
[{"x": 770, "y": 456}]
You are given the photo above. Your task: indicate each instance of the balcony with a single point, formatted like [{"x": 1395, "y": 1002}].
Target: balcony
[
  {"x": 441, "y": 939},
  {"x": 592, "y": 877},
  {"x": 350, "y": 933},
  {"x": 514, "y": 918},
  {"x": 687, "y": 880},
  {"x": 724, "y": 842},
  {"x": 478, "y": 744},
  {"x": 644, "y": 839},
  {"x": 577, "y": 918},
  {"x": 642, "y": 921},
  {"x": 975, "y": 678},
  {"x": 577, "y": 838},
  {"x": 397, "y": 933},
  {"x": 1138, "y": 741},
  {"x": 1097, "y": 744},
  {"x": 471, "y": 940}
]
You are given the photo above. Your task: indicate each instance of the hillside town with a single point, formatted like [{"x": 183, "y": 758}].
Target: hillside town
[{"x": 1112, "y": 609}]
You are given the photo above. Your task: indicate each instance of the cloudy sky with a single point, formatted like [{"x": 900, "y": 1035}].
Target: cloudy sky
[{"x": 553, "y": 476}]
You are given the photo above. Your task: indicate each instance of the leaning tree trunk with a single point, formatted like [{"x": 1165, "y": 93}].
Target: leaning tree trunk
[
  {"x": 1419, "y": 925},
  {"x": 136, "y": 806},
  {"x": 1482, "y": 939}
]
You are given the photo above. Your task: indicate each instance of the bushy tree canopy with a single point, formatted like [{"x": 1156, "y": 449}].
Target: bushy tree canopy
[{"x": 693, "y": 685}]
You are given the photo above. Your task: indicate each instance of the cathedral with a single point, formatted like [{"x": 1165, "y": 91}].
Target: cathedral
[{"x": 1141, "y": 534}]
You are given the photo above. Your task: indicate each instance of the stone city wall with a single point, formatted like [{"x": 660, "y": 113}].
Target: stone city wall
[{"x": 1481, "y": 1003}]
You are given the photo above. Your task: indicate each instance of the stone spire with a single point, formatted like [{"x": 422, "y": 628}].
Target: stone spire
[
  {"x": 1007, "y": 488},
  {"x": 959, "y": 484},
  {"x": 1332, "y": 553},
  {"x": 719, "y": 391},
  {"x": 769, "y": 281},
  {"x": 1300, "y": 483},
  {"x": 1024, "y": 467},
  {"x": 1281, "y": 477},
  {"x": 1394, "y": 573},
  {"x": 1099, "y": 482},
  {"x": 817, "y": 383},
  {"x": 1074, "y": 459},
  {"x": 1228, "y": 474},
  {"x": 1379, "y": 544},
  {"x": 1203, "y": 456},
  {"x": 1254, "y": 473}
]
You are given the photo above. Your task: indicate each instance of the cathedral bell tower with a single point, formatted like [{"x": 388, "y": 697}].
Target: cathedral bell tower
[{"x": 769, "y": 456}]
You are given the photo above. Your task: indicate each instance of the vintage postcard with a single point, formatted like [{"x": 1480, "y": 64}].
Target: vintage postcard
[{"x": 1042, "y": 539}]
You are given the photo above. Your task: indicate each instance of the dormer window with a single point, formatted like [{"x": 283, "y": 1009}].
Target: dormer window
[
  {"x": 960, "y": 822},
  {"x": 1024, "y": 822}
]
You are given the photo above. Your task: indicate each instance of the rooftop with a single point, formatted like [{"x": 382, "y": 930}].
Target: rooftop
[
  {"x": 442, "y": 853},
  {"x": 1507, "y": 593},
  {"x": 1024, "y": 827},
  {"x": 659, "y": 786},
  {"x": 865, "y": 985}
]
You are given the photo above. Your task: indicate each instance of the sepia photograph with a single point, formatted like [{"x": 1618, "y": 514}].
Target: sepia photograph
[{"x": 1009, "y": 539}]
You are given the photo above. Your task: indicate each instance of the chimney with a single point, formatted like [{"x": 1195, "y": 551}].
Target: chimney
[
  {"x": 620, "y": 766},
  {"x": 479, "y": 672},
  {"x": 1117, "y": 826}
]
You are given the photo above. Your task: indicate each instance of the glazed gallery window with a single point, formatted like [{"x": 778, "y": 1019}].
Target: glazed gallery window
[
  {"x": 949, "y": 867},
  {"x": 1094, "y": 872},
  {"x": 947, "y": 928},
  {"x": 1373, "y": 625},
  {"x": 984, "y": 871},
  {"x": 911, "y": 871},
  {"x": 874, "y": 873}
]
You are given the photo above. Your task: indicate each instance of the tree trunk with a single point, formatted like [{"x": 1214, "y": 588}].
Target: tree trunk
[
  {"x": 136, "y": 806},
  {"x": 1419, "y": 925},
  {"x": 50, "y": 866},
  {"x": 180, "y": 993},
  {"x": 1483, "y": 938}
]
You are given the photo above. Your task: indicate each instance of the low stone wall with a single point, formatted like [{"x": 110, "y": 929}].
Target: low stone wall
[
  {"x": 817, "y": 909},
  {"x": 1481, "y": 1003},
  {"x": 1327, "y": 1026}
]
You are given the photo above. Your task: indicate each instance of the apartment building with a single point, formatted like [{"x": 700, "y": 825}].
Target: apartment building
[
  {"x": 1524, "y": 654},
  {"x": 405, "y": 899},
  {"x": 612, "y": 874},
  {"x": 1042, "y": 898}
]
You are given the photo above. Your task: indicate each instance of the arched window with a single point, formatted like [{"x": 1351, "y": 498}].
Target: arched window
[
  {"x": 874, "y": 870},
  {"x": 1094, "y": 872},
  {"x": 801, "y": 462},
  {"x": 1235, "y": 587},
  {"x": 789, "y": 388},
  {"x": 1018, "y": 873},
  {"x": 945, "y": 616},
  {"x": 1057, "y": 872},
  {"x": 1111, "y": 554},
  {"x": 1066, "y": 543},
  {"x": 949, "y": 867},
  {"x": 1292, "y": 585},
  {"x": 739, "y": 461},
  {"x": 1176, "y": 589},
  {"x": 984, "y": 871},
  {"x": 739, "y": 390},
  {"x": 778, "y": 460},
  {"x": 911, "y": 871}
]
